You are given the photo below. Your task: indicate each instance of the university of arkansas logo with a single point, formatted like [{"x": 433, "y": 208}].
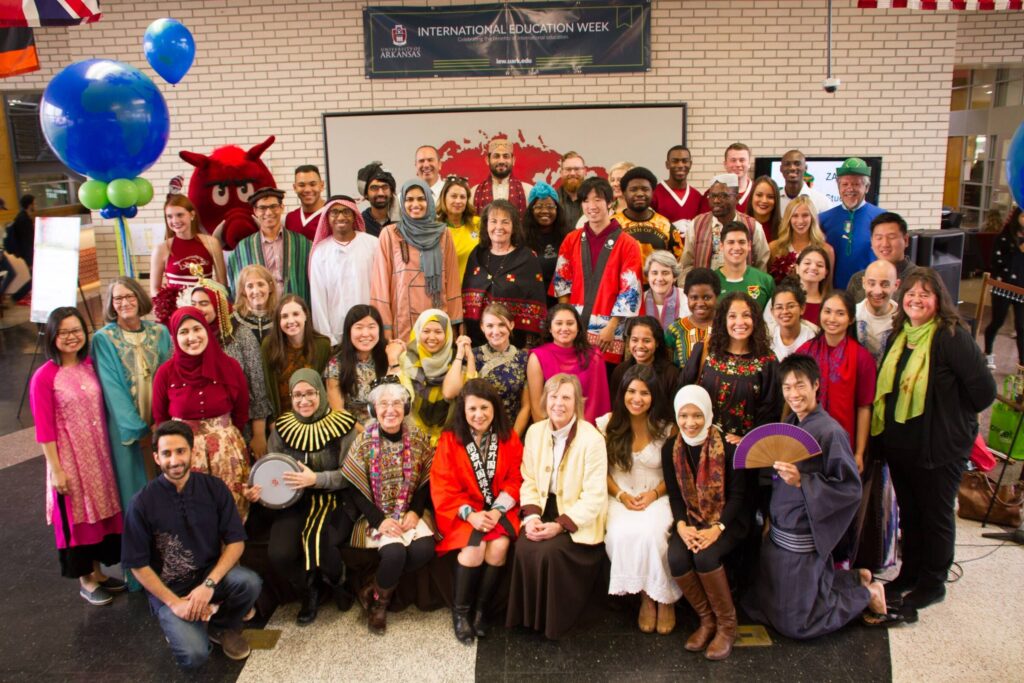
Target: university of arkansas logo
[{"x": 399, "y": 35}]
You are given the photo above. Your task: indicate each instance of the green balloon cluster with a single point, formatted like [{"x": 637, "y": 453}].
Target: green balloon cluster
[{"x": 122, "y": 193}]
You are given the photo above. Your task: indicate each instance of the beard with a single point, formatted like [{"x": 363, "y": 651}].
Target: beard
[
  {"x": 380, "y": 202},
  {"x": 572, "y": 184},
  {"x": 502, "y": 172}
]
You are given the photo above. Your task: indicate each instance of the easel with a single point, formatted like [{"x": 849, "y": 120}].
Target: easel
[
  {"x": 39, "y": 343},
  {"x": 1015, "y": 293}
]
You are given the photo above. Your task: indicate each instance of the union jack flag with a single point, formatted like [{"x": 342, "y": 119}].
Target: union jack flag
[
  {"x": 942, "y": 5},
  {"x": 15, "y": 13}
]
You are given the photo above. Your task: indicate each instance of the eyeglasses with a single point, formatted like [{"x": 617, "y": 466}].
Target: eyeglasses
[
  {"x": 304, "y": 395},
  {"x": 335, "y": 213},
  {"x": 266, "y": 208},
  {"x": 126, "y": 298},
  {"x": 451, "y": 177},
  {"x": 389, "y": 404},
  {"x": 67, "y": 334}
]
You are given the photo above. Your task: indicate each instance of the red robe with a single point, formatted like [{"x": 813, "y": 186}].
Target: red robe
[{"x": 453, "y": 484}]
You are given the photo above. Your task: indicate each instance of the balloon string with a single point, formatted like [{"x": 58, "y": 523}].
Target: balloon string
[{"x": 124, "y": 253}]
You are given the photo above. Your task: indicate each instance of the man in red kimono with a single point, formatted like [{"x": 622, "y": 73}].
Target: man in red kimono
[{"x": 585, "y": 272}]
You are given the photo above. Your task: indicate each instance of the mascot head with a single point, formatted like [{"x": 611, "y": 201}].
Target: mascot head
[{"x": 221, "y": 185}]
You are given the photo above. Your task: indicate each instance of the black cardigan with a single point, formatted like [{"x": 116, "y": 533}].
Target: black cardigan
[
  {"x": 960, "y": 386},
  {"x": 736, "y": 511}
]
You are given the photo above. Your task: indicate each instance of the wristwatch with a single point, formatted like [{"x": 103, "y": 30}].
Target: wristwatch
[
  {"x": 721, "y": 527},
  {"x": 210, "y": 583}
]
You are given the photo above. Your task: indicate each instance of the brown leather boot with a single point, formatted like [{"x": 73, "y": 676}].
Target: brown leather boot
[
  {"x": 716, "y": 585},
  {"x": 378, "y": 617},
  {"x": 693, "y": 591}
]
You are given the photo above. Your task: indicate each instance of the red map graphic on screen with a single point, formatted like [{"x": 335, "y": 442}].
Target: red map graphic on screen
[{"x": 534, "y": 161}]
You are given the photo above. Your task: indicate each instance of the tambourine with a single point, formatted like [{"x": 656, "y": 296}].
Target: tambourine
[{"x": 268, "y": 472}]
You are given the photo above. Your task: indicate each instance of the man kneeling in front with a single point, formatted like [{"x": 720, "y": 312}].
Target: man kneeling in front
[{"x": 182, "y": 541}]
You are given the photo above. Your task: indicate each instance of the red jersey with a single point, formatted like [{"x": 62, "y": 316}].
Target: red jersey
[
  {"x": 678, "y": 205},
  {"x": 305, "y": 225}
]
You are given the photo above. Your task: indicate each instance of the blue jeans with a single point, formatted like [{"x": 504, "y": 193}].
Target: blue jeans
[{"x": 236, "y": 593}]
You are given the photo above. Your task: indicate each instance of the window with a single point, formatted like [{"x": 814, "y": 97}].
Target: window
[{"x": 38, "y": 170}]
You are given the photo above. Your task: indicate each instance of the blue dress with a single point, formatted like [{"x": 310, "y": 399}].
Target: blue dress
[{"x": 506, "y": 371}]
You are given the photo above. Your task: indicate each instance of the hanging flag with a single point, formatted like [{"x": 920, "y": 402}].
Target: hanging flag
[
  {"x": 17, "y": 52},
  {"x": 943, "y": 5},
  {"x": 48, "y": 12}
]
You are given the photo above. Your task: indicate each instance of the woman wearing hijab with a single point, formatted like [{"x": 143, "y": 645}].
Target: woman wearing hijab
[
  {"x": 205, "y": 388},
  {"x": 422, "y": 366},
  {"x": 305, "y": 537},
  {"x": 710, "y": 519},
  {"x": 240, "y": 343},
  {"x": 416, "y": 268}
]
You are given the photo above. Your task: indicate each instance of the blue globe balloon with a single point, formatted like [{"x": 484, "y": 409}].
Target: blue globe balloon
[
  {"x": 1015, "y": 166},
  {"x": 169, "y": 49},
  {"x": 105, "y": 119}
]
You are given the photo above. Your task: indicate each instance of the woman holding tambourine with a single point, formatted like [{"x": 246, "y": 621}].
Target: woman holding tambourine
[{"x": 306, "y": 534}]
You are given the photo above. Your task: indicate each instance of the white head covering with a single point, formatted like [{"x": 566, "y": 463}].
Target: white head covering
[
  {"x": 727, "y": 179},
  {"x": 696, "y": 395}
]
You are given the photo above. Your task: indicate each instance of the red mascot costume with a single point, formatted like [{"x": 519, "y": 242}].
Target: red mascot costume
[{"x": 221, "y": 186}]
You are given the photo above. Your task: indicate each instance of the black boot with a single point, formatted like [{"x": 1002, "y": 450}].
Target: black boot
[
  {"x": 488, "y": 584},
  {"x": 343, "y": 597},
  {"x": 310, "y": 600},
  {"x": 466, "y": 579}
]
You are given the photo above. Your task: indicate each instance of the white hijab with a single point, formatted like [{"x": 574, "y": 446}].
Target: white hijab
[{"x": 695, "y": 395}]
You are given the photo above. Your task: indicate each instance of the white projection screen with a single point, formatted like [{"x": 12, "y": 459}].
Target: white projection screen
[{"x": 603, "y": 135}]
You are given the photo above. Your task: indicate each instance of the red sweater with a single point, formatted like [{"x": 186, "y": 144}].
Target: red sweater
[{"x": 205, "y": 399}]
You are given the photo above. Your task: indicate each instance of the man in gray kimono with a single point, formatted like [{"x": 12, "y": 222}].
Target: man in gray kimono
[{"x": 798, "y": 591}]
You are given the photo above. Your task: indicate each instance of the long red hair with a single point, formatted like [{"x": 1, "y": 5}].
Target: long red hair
[{"x": 184, "y": 202}]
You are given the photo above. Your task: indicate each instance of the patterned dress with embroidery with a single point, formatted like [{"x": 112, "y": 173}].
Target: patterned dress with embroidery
[
  {"x": 506, "y": 372},
  {"x": 359, "y": 403},
  {"x": 745, "y": 389}
]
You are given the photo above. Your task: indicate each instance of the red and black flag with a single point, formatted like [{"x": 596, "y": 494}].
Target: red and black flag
[{"x": 17, "y": 52}]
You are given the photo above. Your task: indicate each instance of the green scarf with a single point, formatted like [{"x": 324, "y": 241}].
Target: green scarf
[{"x": 914, "y": 380}]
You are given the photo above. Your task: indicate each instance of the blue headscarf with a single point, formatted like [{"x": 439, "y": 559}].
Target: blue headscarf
[
  {"x": 542, "y": 191},
  {"x": 424, "y": 234}
]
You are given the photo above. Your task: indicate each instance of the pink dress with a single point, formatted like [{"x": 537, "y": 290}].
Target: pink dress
[
  {"x": 593, "y": 378},
  {"x": 68, "y": 409}
]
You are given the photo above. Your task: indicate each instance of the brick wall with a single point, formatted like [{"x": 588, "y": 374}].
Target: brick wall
[
  {"x": 990, "y": 38},
  {"x": 749, "y": 70}
]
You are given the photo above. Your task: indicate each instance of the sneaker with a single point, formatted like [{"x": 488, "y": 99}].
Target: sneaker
[
  {"x": 232, "y": 642},
  {"x": 113, "y": 585},
  {"x": 990, "y": 360},
  {"x": 97, "y": 597}
]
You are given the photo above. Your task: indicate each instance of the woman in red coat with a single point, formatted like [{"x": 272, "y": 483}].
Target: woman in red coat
[{"x": 474, "y": 483}]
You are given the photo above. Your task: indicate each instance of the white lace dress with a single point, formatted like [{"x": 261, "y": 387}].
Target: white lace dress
[{"x": 637, "y": 541}]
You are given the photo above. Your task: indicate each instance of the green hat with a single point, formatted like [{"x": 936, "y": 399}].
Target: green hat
[{"x": 854, "y": 166}]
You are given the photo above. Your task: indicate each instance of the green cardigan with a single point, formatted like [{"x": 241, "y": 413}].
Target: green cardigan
[{"x": 321, "y": 354}]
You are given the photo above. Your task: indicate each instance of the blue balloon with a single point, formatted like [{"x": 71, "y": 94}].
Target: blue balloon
[
  {"x": 1015, "y": 166},
  {"x": 104, "y": 119},
  {"x": 110, "y": 212},
  {"x": 169, "y": 49},
  {"x": 130, "y": 212}
]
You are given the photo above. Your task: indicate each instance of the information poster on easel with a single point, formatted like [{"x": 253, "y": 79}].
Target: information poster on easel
[{"x": 55, "y": 268}]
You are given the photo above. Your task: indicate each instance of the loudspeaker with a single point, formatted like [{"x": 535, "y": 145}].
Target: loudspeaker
[{"x": 942, "y": 250}]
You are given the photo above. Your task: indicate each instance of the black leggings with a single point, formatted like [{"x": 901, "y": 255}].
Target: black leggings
[
  {"x": 1000, "y": 307},
  {"x": 682, "y": 561},
  {"x": 397, "y": 559}
]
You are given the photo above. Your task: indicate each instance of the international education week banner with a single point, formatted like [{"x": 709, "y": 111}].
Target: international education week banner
[{"x": 508, "y": 39}]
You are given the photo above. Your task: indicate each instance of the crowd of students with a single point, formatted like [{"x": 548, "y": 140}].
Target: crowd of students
[{"x": 518, "y": 388}]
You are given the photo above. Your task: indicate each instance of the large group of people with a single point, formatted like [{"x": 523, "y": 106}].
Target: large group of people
[{"x": 470, "y": 377}]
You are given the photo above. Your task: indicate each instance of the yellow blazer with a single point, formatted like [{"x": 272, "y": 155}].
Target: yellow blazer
[{"x": 582, "y": 493}]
